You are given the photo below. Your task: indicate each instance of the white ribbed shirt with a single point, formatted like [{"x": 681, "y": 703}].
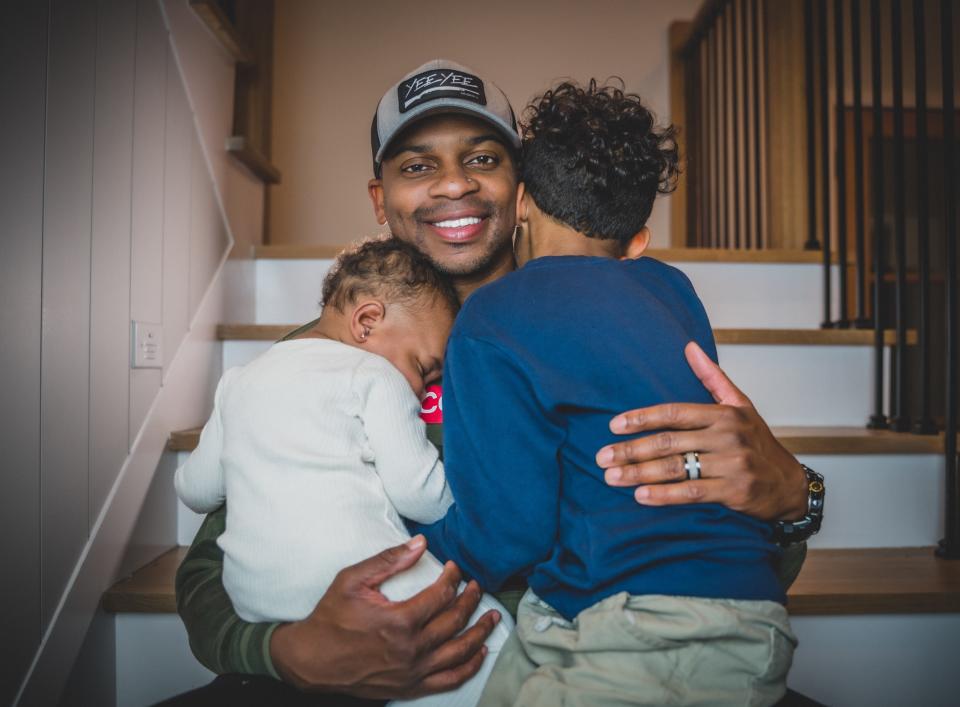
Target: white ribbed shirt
[{"x": 318, "y": 449}]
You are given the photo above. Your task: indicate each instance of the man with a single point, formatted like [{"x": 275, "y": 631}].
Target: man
[{"x": 445, "y": 150}]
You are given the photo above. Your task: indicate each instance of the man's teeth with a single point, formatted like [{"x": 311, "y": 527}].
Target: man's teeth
[{"x": 458, "y": 222}]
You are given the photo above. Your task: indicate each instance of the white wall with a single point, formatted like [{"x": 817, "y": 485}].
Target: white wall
[
  {"x": 111, "y": 209},
  {"x": 333, "y": 61}
]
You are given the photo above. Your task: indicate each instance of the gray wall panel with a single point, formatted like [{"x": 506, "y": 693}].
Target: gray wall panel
[
  {"x": 23, "y": 66},
  {"x": 146, "y": 257},
  {"x": 66, "y": 294},
  {"x": 208, "y": 236},
  {"x": 110, "y": 261},
  {"x": 176, "y": 210}
]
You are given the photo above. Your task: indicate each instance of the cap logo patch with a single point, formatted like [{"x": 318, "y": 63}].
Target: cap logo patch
[{"x": 442, "y": 83}]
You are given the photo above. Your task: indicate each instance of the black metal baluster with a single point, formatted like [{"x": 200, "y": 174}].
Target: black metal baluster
[
  {"x": 755, "y": 40},
  {"x": 861, "y": 321},
  {"x": 744, "y": 29},
  {"x": 901, "y": 419},
  {"x": 724, "y": 117},
  {"x": 950, "y": 545},
  {"x": 735, "y": 117},
  {"x": 824, "y": 159},
  {"x": 878, "y": 420},
  {"x": 924, "y": 424},
  {"x": 702, "y": 112},
  {"x": 808, "y": 28},
  {"x": 841, "y": 172},
  {"x": 717, "y": 204}
]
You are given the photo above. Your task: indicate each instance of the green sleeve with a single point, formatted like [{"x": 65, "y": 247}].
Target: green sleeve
[
  {"x": 791, "y": 562},
  {"x": 220, "y": 640}
]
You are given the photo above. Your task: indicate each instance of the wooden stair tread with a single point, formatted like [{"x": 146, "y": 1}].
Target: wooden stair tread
[
  {"x": 771, "y": 337},
  {"x": 876, "y": 581},
  {"x": 149, "y": 590},
  {"x": 306, "y": 251},
  {"x": 797, "y": 440},
  {"x": 857, "y": 581}
]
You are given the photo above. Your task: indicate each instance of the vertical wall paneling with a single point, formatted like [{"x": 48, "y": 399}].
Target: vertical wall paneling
[
  {"x": 23, "y": 69},
  {"x": 146, "y": 254},
  {"x": 208, "y": 236},
  {"x": 110, "y": 259},
  {"x": 65, "y": 364},
  {"x": 176, "y": 211}
]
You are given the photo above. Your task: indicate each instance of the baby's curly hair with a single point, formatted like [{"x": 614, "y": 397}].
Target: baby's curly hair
[
  {"x": 595, "y": 160},
  {"x": 385, "y": 267}
]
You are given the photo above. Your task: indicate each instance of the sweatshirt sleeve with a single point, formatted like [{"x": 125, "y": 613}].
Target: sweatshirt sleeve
[
  {"x": 199, "y": 480},
  {"x": 500, "y": 445},
  {"x": 407, "y": 463}
]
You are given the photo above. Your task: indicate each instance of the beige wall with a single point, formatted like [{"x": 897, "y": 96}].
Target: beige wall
[{"x": 334, "y": 61}]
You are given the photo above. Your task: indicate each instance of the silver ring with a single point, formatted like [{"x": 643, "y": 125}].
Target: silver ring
[{"x": 691, "y": 462}]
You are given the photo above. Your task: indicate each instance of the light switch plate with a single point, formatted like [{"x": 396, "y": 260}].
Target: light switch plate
[{"x": 147, "y": 345}]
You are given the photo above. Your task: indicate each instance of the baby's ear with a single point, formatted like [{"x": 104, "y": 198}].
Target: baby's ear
[
  {"x": 367, "y": 316},
  {"x": 638, "y": 244}
]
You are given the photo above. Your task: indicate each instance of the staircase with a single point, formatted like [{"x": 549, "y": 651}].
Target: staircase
[{"x": 878, "y": 616}]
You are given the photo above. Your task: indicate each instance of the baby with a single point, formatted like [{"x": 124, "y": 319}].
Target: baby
[{"x": 318, "y": 448}]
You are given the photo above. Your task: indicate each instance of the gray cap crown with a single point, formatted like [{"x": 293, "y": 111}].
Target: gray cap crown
[{"x": 439, "y": 86}]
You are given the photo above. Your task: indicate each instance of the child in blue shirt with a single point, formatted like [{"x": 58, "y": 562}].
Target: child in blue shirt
[{"x": 627, "y": 604}]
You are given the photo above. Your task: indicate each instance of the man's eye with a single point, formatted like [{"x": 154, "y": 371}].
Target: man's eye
[
  {"x": 485, "y": 161},
  {"x": 416, "y": 168}
]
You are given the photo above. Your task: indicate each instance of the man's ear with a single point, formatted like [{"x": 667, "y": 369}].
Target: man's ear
[
  {"x": 375, "y": 190},
  {"x": 637, "y": 244},
  {"x": 366, "y": 317}
]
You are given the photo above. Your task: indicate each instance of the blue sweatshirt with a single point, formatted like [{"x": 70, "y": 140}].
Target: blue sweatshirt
[{"x": 536, "y": 366}]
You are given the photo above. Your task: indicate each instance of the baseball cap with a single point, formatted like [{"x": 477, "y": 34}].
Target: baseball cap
[{"x": 439, "y": 86}]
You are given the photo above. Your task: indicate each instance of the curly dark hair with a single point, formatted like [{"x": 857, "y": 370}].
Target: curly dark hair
[
  {"x": 594, "y": 158},
  {"x": 385, "y": 267}
]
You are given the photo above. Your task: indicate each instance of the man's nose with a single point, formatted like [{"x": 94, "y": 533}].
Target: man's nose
[{"x": 454, "y": 182}]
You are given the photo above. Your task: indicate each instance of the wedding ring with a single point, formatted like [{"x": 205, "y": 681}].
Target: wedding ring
[{"x": 691, "y": 462}]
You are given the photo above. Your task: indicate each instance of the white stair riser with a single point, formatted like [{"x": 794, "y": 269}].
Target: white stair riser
[
  {"x": 288, "y": 291},
  {"x": 789, "y": 385},
  {"x": 154, "y": 661},
  {"x": 803, "y": 385},
  {"x": 880, "y": 500},
  {"x": 736, "y": 295},
  {"x": 877, "y": 660},
  {"x": 759, "y": 295}
]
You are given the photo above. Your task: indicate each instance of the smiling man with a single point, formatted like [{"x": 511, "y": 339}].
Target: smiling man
[{"x": 445, "y": 155}]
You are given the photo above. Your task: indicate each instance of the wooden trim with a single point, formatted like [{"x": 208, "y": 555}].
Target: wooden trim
[
  {"x": 832, "y": 582},
  {"x": 293, "y": 251},
  {"x": 678, "y": 35},
  {"x": 222, "y": 28},
  {"x": 772, "y": 337},
  {"x": 149, "y": 590},
  {"x": 808, "y": 337},
  {"x": 797, "y": 440},
  {"x": 875, "y": 581},
  {"x": 732, "y": 255},
  {"x": 245, "y": 153},
  {"x": 670, "y": 255}
]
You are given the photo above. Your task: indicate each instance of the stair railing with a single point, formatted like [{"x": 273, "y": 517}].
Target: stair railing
[{"x": 866, "y": 173}]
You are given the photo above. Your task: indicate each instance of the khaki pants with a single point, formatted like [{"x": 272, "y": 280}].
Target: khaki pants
[{"x": 644, "y": 650}]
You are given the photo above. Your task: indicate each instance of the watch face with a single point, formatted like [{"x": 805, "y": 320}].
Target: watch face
[{"x": 816, "y": 487}]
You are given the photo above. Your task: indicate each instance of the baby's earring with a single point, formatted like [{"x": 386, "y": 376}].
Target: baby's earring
[{"x": 364, "y": 334}]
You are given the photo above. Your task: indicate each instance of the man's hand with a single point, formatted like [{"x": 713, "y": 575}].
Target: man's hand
[
  {"x": 357, "y": 642},
  {"x": 743, "y": 466}
]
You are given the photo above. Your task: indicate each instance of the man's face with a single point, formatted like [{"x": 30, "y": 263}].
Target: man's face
[{"x": 449, "y": 188}]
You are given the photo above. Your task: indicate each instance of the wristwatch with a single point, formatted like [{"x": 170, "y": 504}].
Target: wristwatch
[{"x": 789, "y": 532}]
